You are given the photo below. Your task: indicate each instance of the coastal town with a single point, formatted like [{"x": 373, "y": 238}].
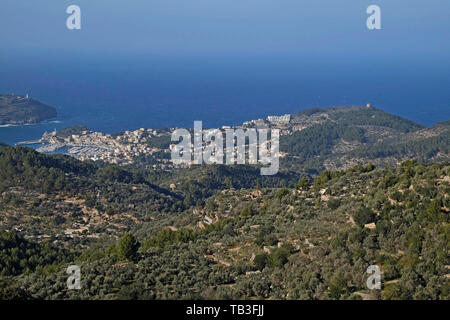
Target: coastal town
[
  {"x": 120, "y": 148},
  {"x": 126, "y": 147},
  {"x": 152, "y": 146}
]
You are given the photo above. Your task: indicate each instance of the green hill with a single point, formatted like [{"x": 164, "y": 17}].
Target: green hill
[
  {"x": 315, "y": 241},
  {"x": 16, "y": 109},
  {"x": 342, "y": 137}
]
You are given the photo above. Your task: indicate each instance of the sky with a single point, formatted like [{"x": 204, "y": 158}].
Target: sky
[{"x": 411, "y": 29}]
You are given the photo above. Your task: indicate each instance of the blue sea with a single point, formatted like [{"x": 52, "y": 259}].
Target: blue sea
[{"x": 112, "y": 94}]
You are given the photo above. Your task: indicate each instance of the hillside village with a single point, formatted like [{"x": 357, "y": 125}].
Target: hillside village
[{"x": 124, "y": 148}]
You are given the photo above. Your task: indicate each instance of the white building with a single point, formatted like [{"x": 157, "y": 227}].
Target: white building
[{"x": 279, "y": 119}]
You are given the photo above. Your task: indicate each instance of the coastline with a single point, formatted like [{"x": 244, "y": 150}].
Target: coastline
[{"x": 8, "y": 125}]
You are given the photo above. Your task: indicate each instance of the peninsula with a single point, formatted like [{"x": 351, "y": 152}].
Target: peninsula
[{"x": 16, "y": 109}]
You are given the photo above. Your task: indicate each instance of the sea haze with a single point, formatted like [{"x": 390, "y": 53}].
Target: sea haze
[{"x": 116, "y": 94}]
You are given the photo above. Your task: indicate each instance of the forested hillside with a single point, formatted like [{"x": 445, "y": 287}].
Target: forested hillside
[
  {"x": 136, "y": 236},
  {"x": 342, "y": 137}
]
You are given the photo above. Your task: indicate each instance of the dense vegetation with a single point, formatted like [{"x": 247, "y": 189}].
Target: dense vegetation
[
  {"x": 309, "y": 145},
  {"x": 343, "y": 136},
  {"x": 313, "y": 239},
  {"x": 422, "y": 148},
  {"x": 18, "y": 255}
]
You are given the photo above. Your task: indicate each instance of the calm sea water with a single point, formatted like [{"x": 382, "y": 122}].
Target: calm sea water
[{"x": 113, "y": 95}]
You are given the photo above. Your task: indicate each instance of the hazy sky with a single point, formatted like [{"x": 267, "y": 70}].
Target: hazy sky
[{"x": 411, "y": 28}]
